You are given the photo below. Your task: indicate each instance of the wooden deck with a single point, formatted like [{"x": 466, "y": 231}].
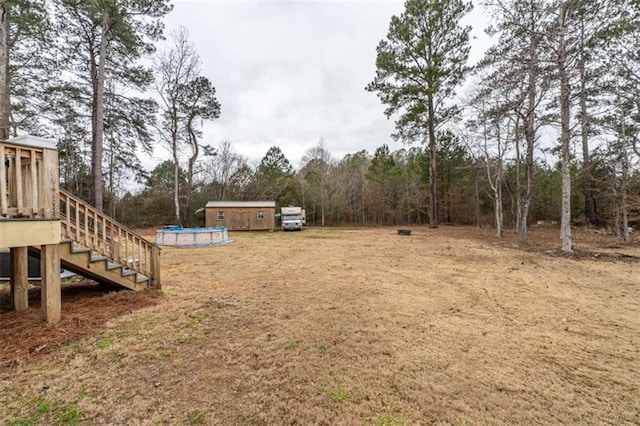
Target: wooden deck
[{"x": 36, "y": 215}]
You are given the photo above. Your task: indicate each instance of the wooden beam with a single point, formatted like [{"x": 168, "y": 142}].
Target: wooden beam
[
  {"x": 3, "y": 184},
  {"x": 49, "y": 187},
  {"x": 17, "y": 173},
  {"x": 155, "y": 268},
  {"x": 26, "y": 211},
  {"x": 23, "y": 233},
  {"x": 87, "y": 238},
  {"x": 51, "y": 296},
  {"x": 33, "y": 170},
  {"x": 67, "y": 215},
  {"x": 20, "y": 278}
]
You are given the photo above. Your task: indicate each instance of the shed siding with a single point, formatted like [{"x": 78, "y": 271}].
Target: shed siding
[{"x": 241, "y": 218}]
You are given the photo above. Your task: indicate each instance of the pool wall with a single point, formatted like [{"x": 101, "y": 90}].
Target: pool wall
[{"x": 192, "y": 237}]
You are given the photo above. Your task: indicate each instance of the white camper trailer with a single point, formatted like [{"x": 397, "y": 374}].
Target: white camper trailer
[{"x": 292, "y": 218}]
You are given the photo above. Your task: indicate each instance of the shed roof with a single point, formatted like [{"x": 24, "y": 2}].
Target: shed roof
[{"x": 231, "y": 204}]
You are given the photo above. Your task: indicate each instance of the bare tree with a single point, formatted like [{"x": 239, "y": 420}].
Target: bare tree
[
  {"x": 197, "y": 102},
  {"x": 175, "y": 66},
  {"x": 493, "y": 124},
  {"x": 219, "y": 169},
  {"x": 521, "y": 26},
  {"x": 317, "y": 171}
]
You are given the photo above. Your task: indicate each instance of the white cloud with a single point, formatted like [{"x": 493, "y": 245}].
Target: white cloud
[{"x": 290, "y": 72}]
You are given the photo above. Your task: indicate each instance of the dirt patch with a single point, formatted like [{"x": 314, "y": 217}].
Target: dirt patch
[
  {"x": 357, "y": 326},
  {"x": 87, "y": 309}
]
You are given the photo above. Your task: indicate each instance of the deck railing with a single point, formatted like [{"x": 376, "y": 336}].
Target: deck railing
[
  {"x": 106, "y": 237},
  {"x": 28, "y": 182},
  {"x": 29, "y": 189}
]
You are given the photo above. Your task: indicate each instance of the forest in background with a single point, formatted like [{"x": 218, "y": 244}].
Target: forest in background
[
  {"x": 386, "y": 188},
  {"x": 544, "y": 128}
]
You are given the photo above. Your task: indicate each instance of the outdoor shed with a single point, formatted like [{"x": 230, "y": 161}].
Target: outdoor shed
[{"x": 241, "y": 215}]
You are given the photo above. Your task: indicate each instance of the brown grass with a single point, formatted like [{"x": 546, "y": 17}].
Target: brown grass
[
  {"x": 87, "y": 308},
  {"x": 354, "y": 326}
]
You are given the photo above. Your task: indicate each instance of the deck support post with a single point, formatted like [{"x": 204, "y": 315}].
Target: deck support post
[
  {"x": 155, "y": 268},
  {"x": 20, "y": 278},
  {"x": 51, "y": 296}
]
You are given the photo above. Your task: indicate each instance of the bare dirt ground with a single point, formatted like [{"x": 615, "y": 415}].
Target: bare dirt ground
[{"x": 344, "y": 326}]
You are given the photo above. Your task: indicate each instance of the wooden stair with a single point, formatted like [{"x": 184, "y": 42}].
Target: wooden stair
[
  {"x": 98, "y": 247},
  {"x": 36, "y": 215},
  {"x": 83, "y": 261}
]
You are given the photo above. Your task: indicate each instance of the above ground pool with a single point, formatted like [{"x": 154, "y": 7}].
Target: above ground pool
[{"x": 192, "y": 237}]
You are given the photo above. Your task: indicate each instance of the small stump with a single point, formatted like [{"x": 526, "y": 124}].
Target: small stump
[{"x": 404, "y": 231}]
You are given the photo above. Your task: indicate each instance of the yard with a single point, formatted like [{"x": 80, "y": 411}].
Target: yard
[{"x": 344, "y": 326}]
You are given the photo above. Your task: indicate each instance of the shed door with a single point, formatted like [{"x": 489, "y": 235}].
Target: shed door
[{"x": 240, "y": 221}]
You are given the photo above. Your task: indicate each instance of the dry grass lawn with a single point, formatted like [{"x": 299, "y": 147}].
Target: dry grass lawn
[{"x": 356, "y": 326}]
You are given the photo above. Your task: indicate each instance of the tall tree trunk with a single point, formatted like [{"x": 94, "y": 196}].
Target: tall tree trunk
[
  {"x": 191, "y": 166},
  {"x": 176, "y": 159},
  {"x": 518, "y": 192},
  {"x": 496, "y": 187},
  {"x": 498, "y": 182},
  {"x": 500, "y": 209},
  {"x": 625, "y": 177},
  {"x": 362, "y": 199},
  {"x": 587, "y": 192},
  {"x": 635, "y": 144},
  {"x": 476, "y": 194},
  {"x": 111, "y": 186},
  {"x": 497, "y": 199},
  {"x": 433, "y": 194},
  {"x": 530, "y": 130},
  {"x": 176, "y": 184},
  {"x": 565, "y": 136},
  {"x": 5, "y": 77},
  {"x": 624, "y": 196},
  {"x": 98, "y": 116}
]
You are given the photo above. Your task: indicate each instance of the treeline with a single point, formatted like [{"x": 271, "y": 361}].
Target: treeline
[
  {"x": 562, "y": 80},
  {"x": 381, "y": 188},
  {"x": 544, "y": 127}
]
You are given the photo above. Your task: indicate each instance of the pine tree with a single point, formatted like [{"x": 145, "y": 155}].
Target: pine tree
[
  {"x": 419, "y": 65},
  {"x": 102, "y": 40},
  {"x": 24, "y": 44},
  {"x": 274, "y": 177},
  {"x": 384, "y": 178}
]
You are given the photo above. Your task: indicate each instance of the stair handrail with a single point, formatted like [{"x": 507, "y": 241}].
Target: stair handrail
[{"x": 97, "y": 231}]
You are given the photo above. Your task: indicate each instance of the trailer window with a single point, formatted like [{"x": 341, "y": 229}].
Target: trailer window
[
  {"x": 220, "y": 214},
  {"x": 260, "y": 215}
]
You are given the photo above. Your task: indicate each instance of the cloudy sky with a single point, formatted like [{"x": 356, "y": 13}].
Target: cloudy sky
[{"x": 288, "y": 73}]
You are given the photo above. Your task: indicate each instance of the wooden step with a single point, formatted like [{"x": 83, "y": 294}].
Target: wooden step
[
  {"x": 79, "y": 250},
  {"x": 98, "y": 268},
  {"x": 113, "y": 265},
  {"x": 127, "y": 272},
  {"x": 83, "y": 261}
]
